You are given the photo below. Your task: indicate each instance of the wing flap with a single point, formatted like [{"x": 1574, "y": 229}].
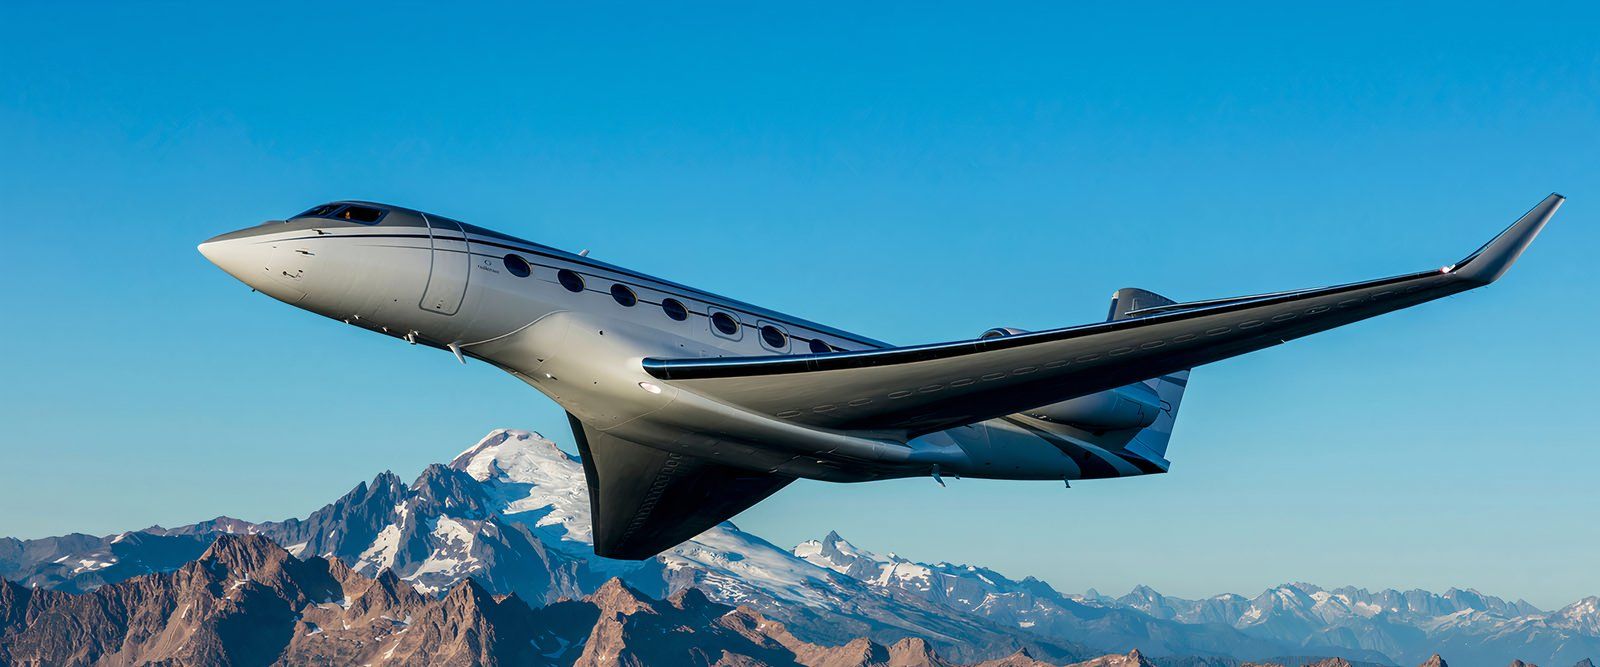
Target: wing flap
[{"x": 922, "y": 389}]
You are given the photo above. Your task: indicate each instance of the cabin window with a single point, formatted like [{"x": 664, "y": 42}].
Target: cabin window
[
  {"x": 819, "y": 347},
  {"x": 623, "y": 296},
  {"x": 362, "y": 214},
  {"x": 674, "y": 309},
  {"x": 774, "y": 337},
  {"x": 724, "y": 323},
  {"x": 518, "y": 266},
  {"x": 572, "y": 281}
]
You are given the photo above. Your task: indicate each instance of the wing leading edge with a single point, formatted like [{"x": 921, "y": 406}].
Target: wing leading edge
[{"x": 928, "y": 388}]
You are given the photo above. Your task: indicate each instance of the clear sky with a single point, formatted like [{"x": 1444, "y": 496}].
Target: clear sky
[{"x": 915, "y": 173}]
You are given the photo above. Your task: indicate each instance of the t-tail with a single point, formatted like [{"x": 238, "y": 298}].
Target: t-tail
[{"x": 1151, "y": 441}]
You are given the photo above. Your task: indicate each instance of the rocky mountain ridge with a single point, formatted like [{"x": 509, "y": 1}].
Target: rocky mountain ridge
[
  {"x": 511, "y": 514},
  {"x": 247, "y": 601}
]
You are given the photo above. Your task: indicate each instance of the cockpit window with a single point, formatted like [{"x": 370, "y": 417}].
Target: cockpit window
[
  {"x": 366, "y": 214},
  {"x": 354, "y": 213},
  {"x": 319, "y": 211}
]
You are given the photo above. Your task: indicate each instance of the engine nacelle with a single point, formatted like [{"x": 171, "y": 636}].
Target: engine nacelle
[
  {"x": 998, "y": 332},
  {"x": 1130, "y": 406}
]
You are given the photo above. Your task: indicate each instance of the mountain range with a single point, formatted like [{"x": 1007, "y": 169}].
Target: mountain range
[
  {"x": 247, "y": 601},
  {"x": 507, "y": 521}
]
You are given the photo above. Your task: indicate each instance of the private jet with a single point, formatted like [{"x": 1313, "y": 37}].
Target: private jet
[{"x": 689, "y": 407}]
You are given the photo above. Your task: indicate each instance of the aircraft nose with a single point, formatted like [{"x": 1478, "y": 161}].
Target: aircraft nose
[
  {"x": 251, "y": 256},
  {"x": 229, "y": 254}
]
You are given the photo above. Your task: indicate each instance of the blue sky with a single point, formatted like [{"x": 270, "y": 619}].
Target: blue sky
[{"x": 913, "y": 172}]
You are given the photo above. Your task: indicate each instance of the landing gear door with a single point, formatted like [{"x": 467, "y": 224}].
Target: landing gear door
[{"x": 451, "y": 264}]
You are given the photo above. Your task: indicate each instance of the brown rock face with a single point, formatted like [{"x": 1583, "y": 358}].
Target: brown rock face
[
  {"x": 248, "y": 602},
  {"x": 915, "y": 652},
  {"x": 1435, "y": 661}
]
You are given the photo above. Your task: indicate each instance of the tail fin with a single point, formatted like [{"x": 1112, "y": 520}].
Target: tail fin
[
  {"x": 1129, "y": 299},
  {"x": 1151, "y": 442}
]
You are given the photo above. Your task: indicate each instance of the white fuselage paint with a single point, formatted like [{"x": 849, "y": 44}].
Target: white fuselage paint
[{"x": 436, "y": 282}]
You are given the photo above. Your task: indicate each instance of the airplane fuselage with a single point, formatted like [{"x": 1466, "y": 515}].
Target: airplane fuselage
[{"x": 576, "y": 329}]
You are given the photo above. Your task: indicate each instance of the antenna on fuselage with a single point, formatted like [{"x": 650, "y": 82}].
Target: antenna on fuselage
[{"x": 583, "y": 253}]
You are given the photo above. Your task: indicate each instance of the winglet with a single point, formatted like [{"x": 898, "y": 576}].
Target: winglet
[{"x": 1495, "y": 257}]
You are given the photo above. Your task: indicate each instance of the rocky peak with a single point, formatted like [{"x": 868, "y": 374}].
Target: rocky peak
[
  {"x": 238, "y": 560},
  {"x": 13, "y": 602},
  {"x": 615, "y": 597},
  {"x": 689, "y": 599},
  {"x": 441, "y": 489},
  {"x": 915, "y": 652},
  {"x": 837, "y": 554},
  {"x": 1132, "y": 659},
  {"x": 243, "y": 554},
  {"x": 221, "y": 524},
  {"x": 1519, "y": 663},
  {"x": 1435, "y": 661}
]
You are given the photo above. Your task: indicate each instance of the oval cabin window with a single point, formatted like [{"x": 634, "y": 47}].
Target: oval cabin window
[
  {"x": 774, "y": 337},
  {"x": 518, "y": 266},
  {"x": 572, "y": 281},
  {"x": 623, "y": 296},
  {"x": 674, "y": 309},
  {"x": 725, "y": 323}
]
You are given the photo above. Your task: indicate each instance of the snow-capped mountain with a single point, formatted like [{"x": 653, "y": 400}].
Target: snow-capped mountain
[
  {"x": 247, "y": 601},
  {"x": 528, "y": 482},
  {"x": 1406, "y": 626},
  {"x": 1035, "y": 606},
  {"x": 512, "y": 514}
]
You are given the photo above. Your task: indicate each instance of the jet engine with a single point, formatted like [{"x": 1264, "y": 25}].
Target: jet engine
[
  {"x": 1130, "y": 406},
  {"x": 998, "y": 332}
]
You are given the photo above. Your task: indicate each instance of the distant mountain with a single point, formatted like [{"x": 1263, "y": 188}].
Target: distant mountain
[
  {"x": 1033, "y": 605},
  {"x": 511, "y": 514},
  {"x": 1478, "y": 630},
  {"x": 247, "y": 601}
]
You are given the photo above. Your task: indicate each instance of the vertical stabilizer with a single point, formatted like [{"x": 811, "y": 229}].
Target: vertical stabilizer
[
  {"x": 1151, "y": 442},
  {"x": 1130, "y": 299}
]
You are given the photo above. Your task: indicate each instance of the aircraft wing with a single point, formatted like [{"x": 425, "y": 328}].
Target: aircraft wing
[
  {"x": 927, "y": 388},
  {"x": 646, "y": 500}
]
